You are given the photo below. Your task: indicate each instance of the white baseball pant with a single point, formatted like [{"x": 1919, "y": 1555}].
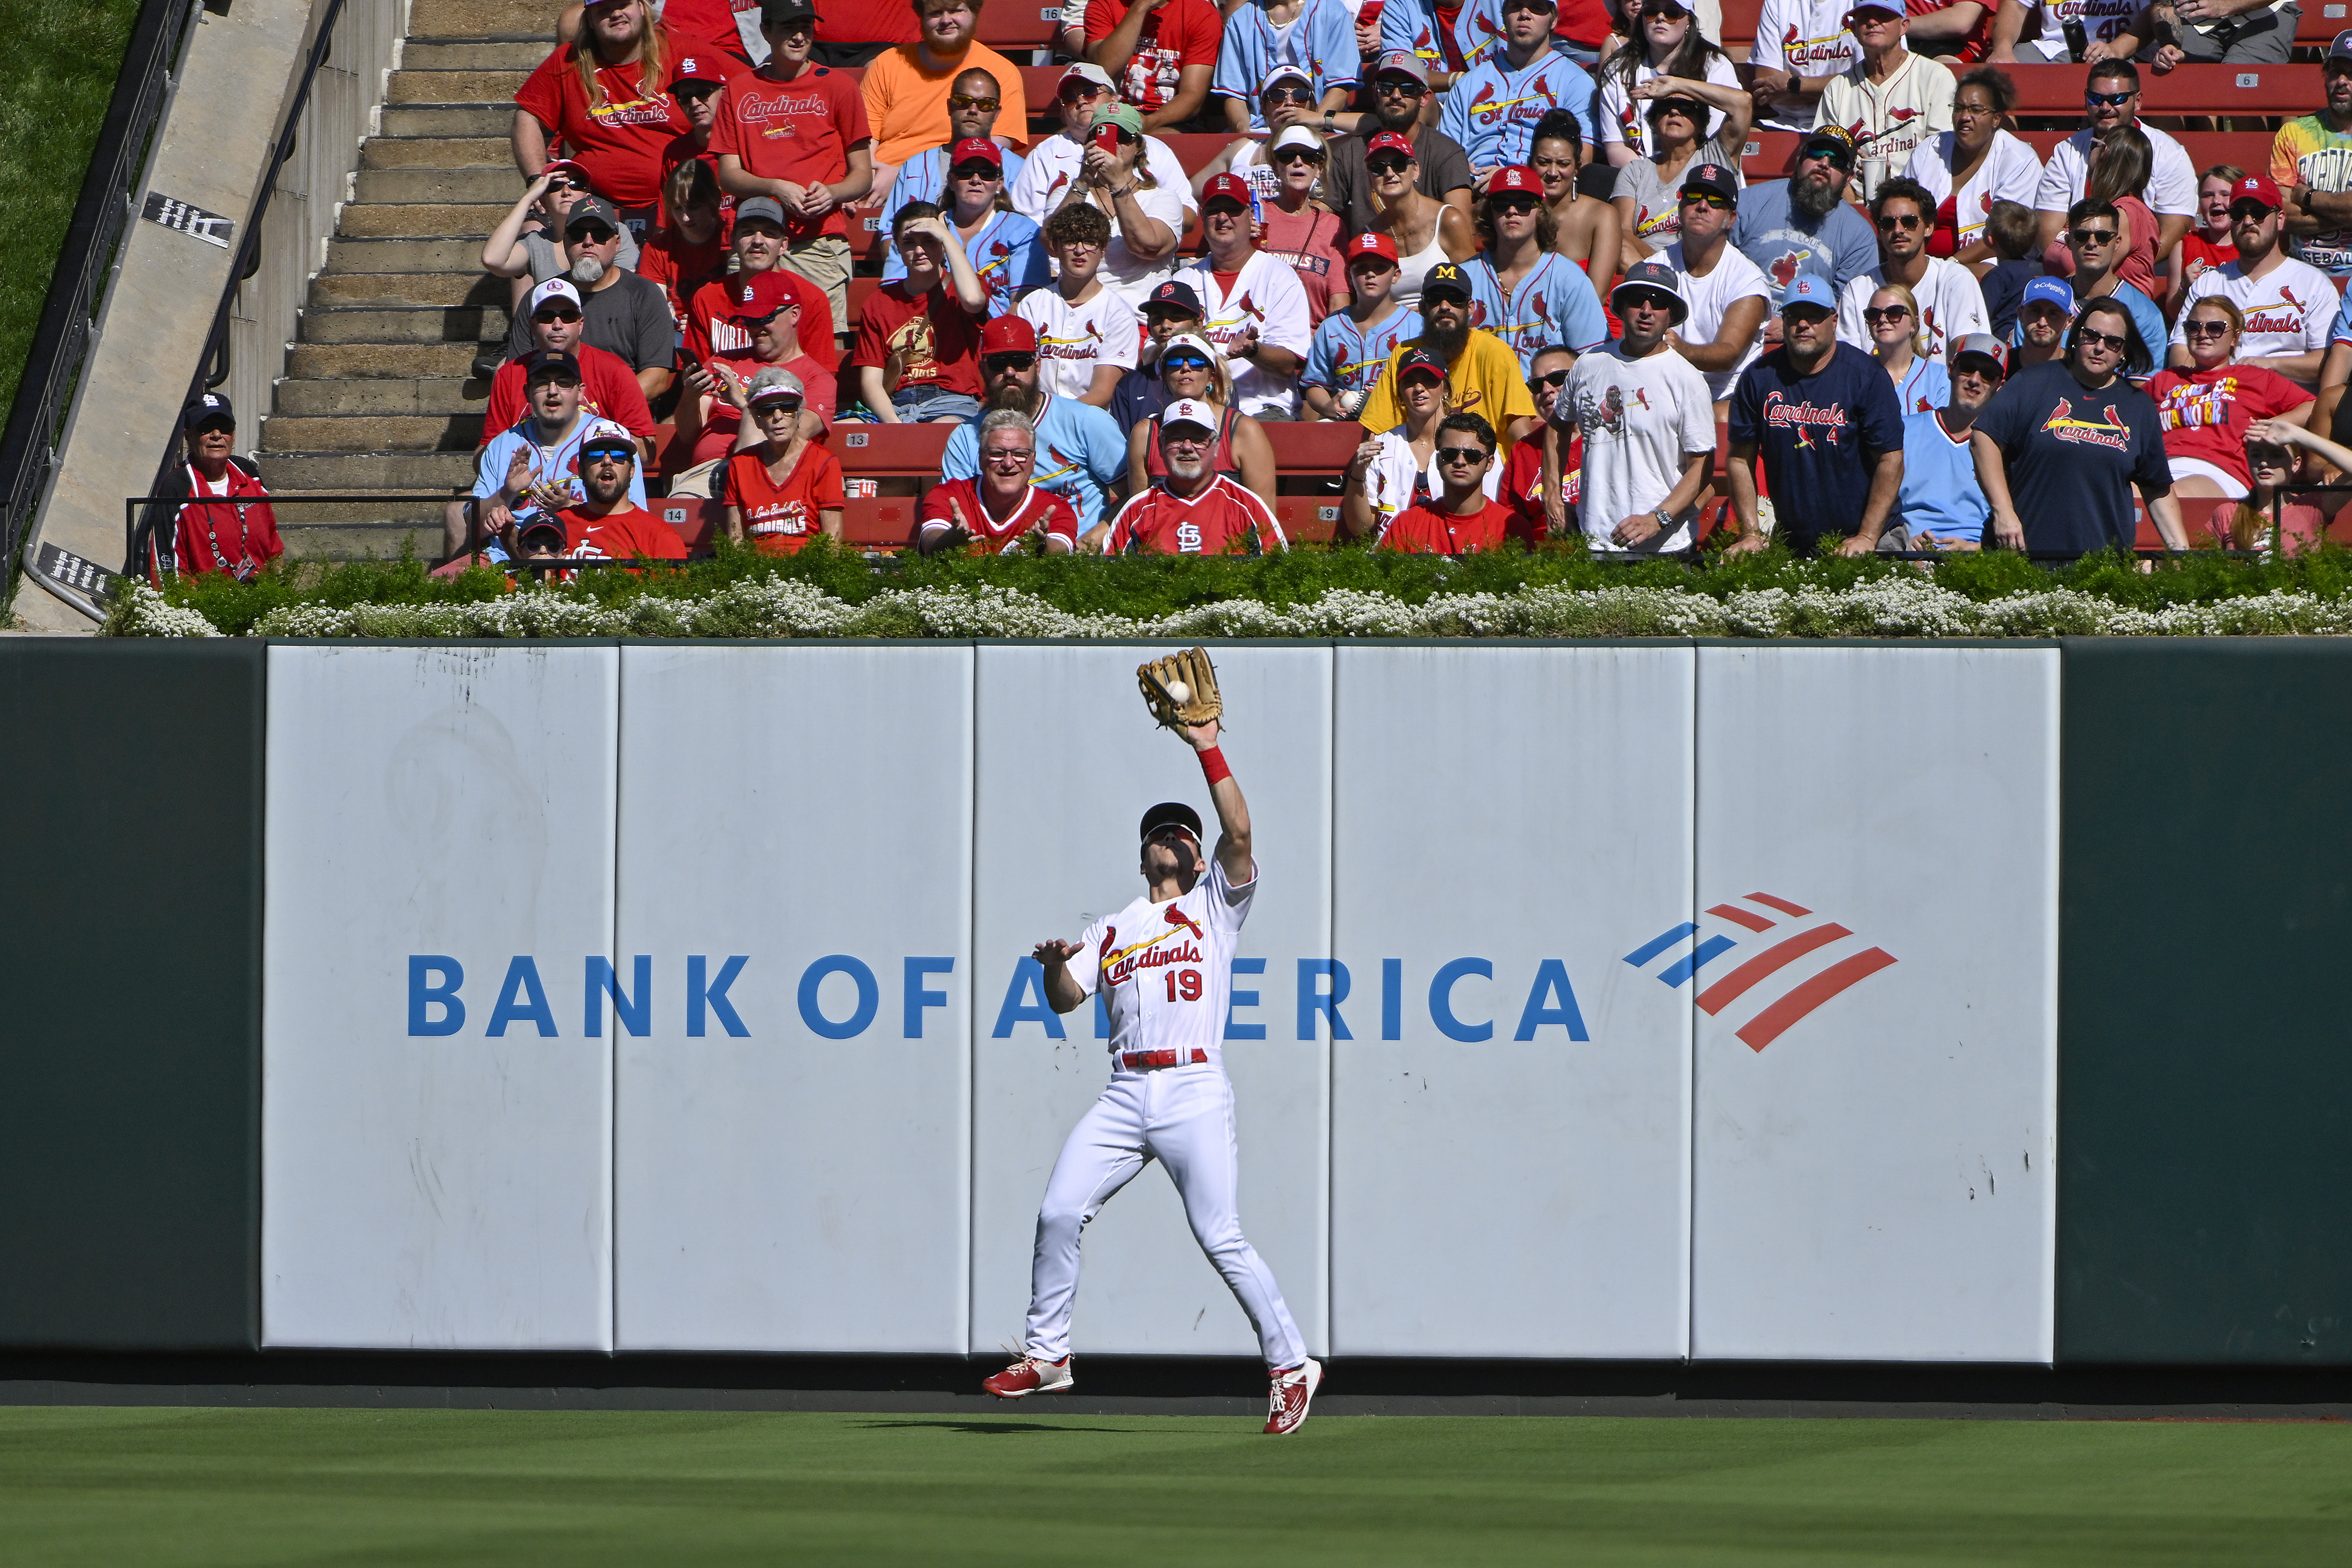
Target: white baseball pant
[{"x": 1183, "y": 1117}]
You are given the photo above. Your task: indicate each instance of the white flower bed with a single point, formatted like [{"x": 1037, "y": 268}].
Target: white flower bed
[{"x": 1899, "y": 606}]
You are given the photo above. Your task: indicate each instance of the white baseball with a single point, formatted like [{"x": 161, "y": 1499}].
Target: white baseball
[{"x": 1179, "y": 693}]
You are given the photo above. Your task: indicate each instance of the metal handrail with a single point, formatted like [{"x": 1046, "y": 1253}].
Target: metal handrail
[{"x": 62, "y": 342}]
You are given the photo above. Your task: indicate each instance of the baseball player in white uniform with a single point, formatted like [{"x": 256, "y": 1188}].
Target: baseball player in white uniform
[{"x": 1166, "y": 961}]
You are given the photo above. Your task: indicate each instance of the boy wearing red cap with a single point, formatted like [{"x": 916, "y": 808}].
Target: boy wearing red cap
[
  {"x": 1255, "y": 309},
  {"x": 1351, "y": 348}
]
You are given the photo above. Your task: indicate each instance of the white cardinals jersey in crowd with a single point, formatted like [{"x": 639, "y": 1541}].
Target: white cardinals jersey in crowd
[
  {"x": 1802, "y": 37},
  {"x": 2171, "y": 177},
  {"x": 1951, "y": 305},
  {"x": 2288, "y": 310},
  {"x": 1889, "y": 119},
  {"x": 1268, "y": 296},
  {"x": 1168, "y": 970},
  {"x": 2009, "y": 173}
]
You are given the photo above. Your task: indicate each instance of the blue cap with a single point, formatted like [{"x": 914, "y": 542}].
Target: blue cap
[
  {"x": 1809, "y": 289},
  {"x": 2056, "y": 291}
]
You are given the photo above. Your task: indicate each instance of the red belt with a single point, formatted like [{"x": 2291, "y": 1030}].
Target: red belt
[{"x": 1145, "y": 1061}]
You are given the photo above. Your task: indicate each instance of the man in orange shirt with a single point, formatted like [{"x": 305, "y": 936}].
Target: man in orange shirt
[
  {"x": 906, "y": 89},
  {"x": 1462, "y": 518},
  {"x": 608, "y": 525}
]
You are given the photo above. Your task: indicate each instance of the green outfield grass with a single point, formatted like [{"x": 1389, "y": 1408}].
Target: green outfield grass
[{"x": 260, "y": 1486}]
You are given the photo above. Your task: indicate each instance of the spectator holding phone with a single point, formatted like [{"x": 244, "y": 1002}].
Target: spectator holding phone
[{"x": 1147, "y": 218}]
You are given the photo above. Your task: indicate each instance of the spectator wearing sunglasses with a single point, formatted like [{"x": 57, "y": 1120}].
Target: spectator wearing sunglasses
[
  {"x": 1526, "y": 292},
  {"x": 1190, "y": 509},
  {"x": 1646, "y": 424},
  {"x": 1727, "y": 295},
  {"x": 1821, "y": 415},
  {"x": 1427, "y": 232},
  {"x": 1317, "y": 36},
  {"x": 1169, "y": 312},
  {"x": 2287, "y": 306},
  {"x": 2062, "y": 446},
  {"x": 1464, "y": 517},
  {"x": 1943, "y": 505},
  {"x": 783, "y": 487},
  {"x": 1896, "y": 339},
  {"x": 1147, "y": 216},
  {"x": 2110, "y": 100},
  {"x": 625, "y": 315},
  {"x": 2094, "y": 239},
  {"x": 1667, "y": 43},
  {"x": 1890, "y": 100},
  {"x": 1951, "y": 306},
  {"x": 764, "y": 308},
  {"x": 757, "y": 246},
  {"x": 609, "y": 523},
  {"x": 1483, "y": 373},
  {"x": 1494, "y": 110},
  {"x": 1523, "y": 468},
  {"x": 1803, "y": 223},
  {"x": 797, "y": 134},
  {"x": 2208, "y": 406},
  {"x": 1002, "y": 510},
  {"x": 1802, "y": 46},
  {"x": 1255, "y": 309},
  {"x": 1057, "y": 162},
  {"x": 605, "y": 97},
  {"x": 1296, "y": 230},
  {"x": 1648, "y": 191},
  {"x": 1086, "y": 335},
  {"x": 527, "y": 246},
  {"x": 1397, "y": 469},
  {"x": 906, "y": 89},
  {"x": 973, "y": 107},
  {"x": 608, "y": 388},
  {"x": 1351, "y": 347},
  {"x": 696, "y": 87},
  {"x": 1191, "y": 371},
  {"x": 1001, "y": 244},
  {"x": 1082, "y": 456},
  {"x": 1161, "y": 53}
]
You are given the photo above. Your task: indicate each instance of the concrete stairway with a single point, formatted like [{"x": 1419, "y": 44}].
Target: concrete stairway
[{"x": 379, "y": 392}]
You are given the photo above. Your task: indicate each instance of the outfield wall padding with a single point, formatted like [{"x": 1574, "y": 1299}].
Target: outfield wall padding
[{"x": 130, "y": 1064}]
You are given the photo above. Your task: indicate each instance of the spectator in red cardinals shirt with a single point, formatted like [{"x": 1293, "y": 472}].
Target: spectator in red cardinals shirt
[
  {"x": 1002, "y": 510},
  {"x": 1192, "y": 509},
  {"x": 236, "y": 534},
  {"x": 607, "y": 388},
  {"x": 689, "y": 249},
  {"x": 1523, "y": 467},
  {"x": 768, "y": 312},
  {"x": 607, "y": 99},
  {"x": 696, "y": 87},
  {"x": 1162, "y": 53},
  {"x": 759, "y": 247},
  {"x": 783, "y": 488},
  {"x": 608, "y": 525},
  {"x": 1463, "y": 518}
]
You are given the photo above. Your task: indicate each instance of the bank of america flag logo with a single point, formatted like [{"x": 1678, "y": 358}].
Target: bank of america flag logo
[{"x": 1770, "y": 977}]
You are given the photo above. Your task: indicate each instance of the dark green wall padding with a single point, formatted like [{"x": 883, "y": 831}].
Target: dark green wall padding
[
  {"x": 2205, "y": 1011},
  {"x": 129, "y": 1056}
]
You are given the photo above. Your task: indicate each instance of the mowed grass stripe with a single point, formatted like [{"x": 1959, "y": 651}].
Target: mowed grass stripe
[{"x": 363, "y": 1487}]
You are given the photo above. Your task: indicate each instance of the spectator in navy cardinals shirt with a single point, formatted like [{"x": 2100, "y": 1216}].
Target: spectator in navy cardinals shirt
[{"x": 1824, "y": 416}]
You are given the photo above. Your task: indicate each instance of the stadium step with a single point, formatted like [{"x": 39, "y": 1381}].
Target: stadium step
[
  {"x": 453, "y": 86},
  {"x": 496, "y": 183},
  {"x": 331, "y": 289},
  {"x": 404, "y": 255},
  {"x": 398, "y": 361},
  {"x": 424, "y": 220},
  {"x": 372, "y": 434},
  {"x": 479, "y": 54},
  {"x": 379, "y": 398},
  {"x": 449, "y": 120},
  {"x": 436, "y": 152},
  {"x": 353, "y": 473},
  {"x": 482, "y": 19},
  {"x": 406, "y": 324}
]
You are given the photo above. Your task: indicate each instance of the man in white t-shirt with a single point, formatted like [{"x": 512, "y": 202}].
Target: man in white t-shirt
[
  {"x": 2101, "y": 19},
  {"x": 2111, "y": 98},
  {"x": 1800, "y": 46},
  {"x": 1647, "y": 422},
  {"x": 1054, "y": 161},
  {"x": 1951, "y": 306},
  {"x": 2289, "y": 305},
  {"x": 1255, "y": 308},
  {"x": 1087, "y": 336},
  {"x": 1727, "y": 294},
  {"x": 1890, "y": 99}
]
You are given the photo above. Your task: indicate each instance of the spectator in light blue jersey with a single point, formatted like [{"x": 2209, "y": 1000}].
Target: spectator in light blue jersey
[
  {"x": 1317, "y": 36},
  {"x": 1444, "y": 52},
  {"x": 973, "y": 99},
  {"x": 1351, "y": 347},
  {"x": 1522, "y": 288},
  {"x": 1494, "y": 109},
  {"x": 1001, "y": 245},
  {"x": 1081, "y": 454},
  {"x": 532, "y": 469},
  {"x": 1943, "y": 506}
]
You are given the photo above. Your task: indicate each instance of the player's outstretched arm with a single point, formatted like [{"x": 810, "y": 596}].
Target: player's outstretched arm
[
  {"x": 1233, "y": 849},
  {"x": 1062, "y": 993}
]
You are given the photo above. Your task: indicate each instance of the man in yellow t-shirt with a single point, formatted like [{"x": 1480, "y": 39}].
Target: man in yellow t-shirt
[
  {"x": 906, "y": 89},
  {"x": 1481, "y": 371}
]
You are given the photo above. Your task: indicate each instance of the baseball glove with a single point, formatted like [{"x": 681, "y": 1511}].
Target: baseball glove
[{"x": 1188, "y": 672}]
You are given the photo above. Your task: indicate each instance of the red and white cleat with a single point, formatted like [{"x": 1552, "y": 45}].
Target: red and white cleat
[
  {"x": 1291, "y": 1394},
  {"x": 1029, "y": 1376}
]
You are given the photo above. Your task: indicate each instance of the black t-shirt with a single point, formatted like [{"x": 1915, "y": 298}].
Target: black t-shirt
[
  {"x": 1821, "y": 435},
  {"x": 1347, "y": 188},
  {"x": 2073, "y": 457},
  {"x": 629, "y": 318}
]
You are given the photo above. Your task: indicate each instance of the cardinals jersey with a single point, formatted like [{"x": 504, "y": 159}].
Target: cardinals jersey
[
  {"x": 1266, "y": 294},
  {"x": 1321, "y": 40},
  {"x": 1006, "y": 253},
  {"x": 1222, "y": 517},
  {"x": 1553, "y": 305},
  {"x": 1477, "y": 32},
  {"x": 1889, "y": 119},
  {"x": 1951, "y": 306},
  {"x": 1348, "y": 356},
  {"x": 1802, "y": 37},
  {"x": 1166, "y": 970},
  {"x": 1073, "y": 340},
  {"x": 957, "y": 504},
  {"x": 2288, "y": 310},
  {"x": 1493, "y": 111}
]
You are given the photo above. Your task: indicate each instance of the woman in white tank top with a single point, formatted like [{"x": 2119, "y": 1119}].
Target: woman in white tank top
[{"x": 1424, "y": 230}]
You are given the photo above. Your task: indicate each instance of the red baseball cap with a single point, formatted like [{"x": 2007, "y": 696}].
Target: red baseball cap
[
  {"x": 976, "y": 150},
  {"x": 572, "y": 167},
  {"x": 1008, "y": 335},
  {"x": 1231, "y": 186},
  {"x": 1515, "y": 177},
  {"x": 2257, "y": 188},
  {"x": 1369, "y": 244},
  {"x": 756, "y": 296},
  {"x": 1389, "y": 142},
  {"x": 698, "y": 68}
]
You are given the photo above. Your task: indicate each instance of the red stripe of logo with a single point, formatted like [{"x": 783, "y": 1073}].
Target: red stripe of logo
[
  {"x": 1768, "y": 1025},
  {"x": 1738, "y": 916},
  {"x": 1783, "y": 905},
  {"x": 1779, "y": 956}
]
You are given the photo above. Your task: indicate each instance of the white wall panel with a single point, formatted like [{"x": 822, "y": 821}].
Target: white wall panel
[
  {"x": 797, "y": 1188},
  {"x": 435, "y": 1190},
  {"x": 1067, "y": 762},
  {"x": 1513, "y": 806},
  {"x": 1877, "y": 1003}
]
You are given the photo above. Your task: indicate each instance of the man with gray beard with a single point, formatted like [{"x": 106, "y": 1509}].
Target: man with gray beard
[
  {"x": 1803, "y": 224},
  {"x": 625, "y": 314}
]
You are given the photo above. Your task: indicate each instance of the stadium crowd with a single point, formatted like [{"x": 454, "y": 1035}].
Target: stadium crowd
[{"x": 1510, "y": 239}]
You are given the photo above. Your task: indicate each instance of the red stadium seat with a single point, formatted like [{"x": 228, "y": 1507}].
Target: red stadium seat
[
  {"x": 1308, "y": 520},
  {"x": 1768, "y": 154},
  {"x": 1739, "y": 18},
  {"x": 890, "y": 451},
  {"x": 2321, "y": 22},
  {"x": 879, "y": 522},
  {"x": 860, "y": 290},
  {"x": 697, "y": 521},
  {"x": 1196, "y": 149},
  {"x": 2057, "y": 90},
  {"x": 1020, "y": 24}
]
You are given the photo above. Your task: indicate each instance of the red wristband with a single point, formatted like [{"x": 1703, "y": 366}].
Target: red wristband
[{"x": 1212, "y": 765}]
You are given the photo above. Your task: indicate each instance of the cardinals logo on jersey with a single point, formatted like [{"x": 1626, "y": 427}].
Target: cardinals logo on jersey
[
  {"x": 1177, "y": 917},
  {"x": 2110, "y": 432},
  {"x": 1785, "y": 267}
]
